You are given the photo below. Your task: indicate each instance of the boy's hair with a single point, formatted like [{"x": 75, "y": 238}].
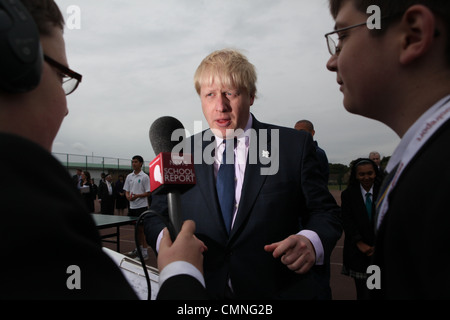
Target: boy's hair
[
  {"x": 46, "y": 15},
  {"x": 138, "y": 158},
  {"x": 227, "y": 67},
  {"x": 392, "y": 9}
]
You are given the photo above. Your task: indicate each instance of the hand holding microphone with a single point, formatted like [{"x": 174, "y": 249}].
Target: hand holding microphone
[{"x": 185, "y": 248}]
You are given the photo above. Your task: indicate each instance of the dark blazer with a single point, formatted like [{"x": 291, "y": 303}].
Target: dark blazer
[
  {"x": 272, "y": 207},
  {"x": 45, "y": 215},
  {"x": 357, "y": 227},
  {"x": 107, "y": 200},
  {"x": 412, "y": 247}
]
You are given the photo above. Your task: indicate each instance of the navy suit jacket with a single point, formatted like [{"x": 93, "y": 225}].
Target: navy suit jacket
[
  {"x": 411, "y": 246},
  {"x": 357, "y": 227},
  {"x": 272, "y": 207}
]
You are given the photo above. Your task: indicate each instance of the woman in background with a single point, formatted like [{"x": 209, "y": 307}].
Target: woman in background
[
  {"x": 87, "y": 191},
  {"x": 121, "y": 199},
  {"x": 358, "y": 211}
]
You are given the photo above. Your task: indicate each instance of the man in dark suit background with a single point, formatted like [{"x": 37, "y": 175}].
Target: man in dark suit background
[
  {"x": 284, "y": 223},
  {"x": 106, "y": 195},
  {"x": 308, "y": 126},
  {"x": 400, "y": 75}
]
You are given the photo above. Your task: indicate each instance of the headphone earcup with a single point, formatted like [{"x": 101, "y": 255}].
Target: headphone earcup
[{"x": 20, "y": 49}]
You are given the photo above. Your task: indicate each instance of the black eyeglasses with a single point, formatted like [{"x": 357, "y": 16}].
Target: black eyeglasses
[
  {"x": 71, "y": 79},
  {"x": 333, "y": 38}
]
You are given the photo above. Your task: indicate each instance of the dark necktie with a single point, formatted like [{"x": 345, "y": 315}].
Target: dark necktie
[
  {"x": 225, "y": 186},
  {"x": 369, "y": 205}
]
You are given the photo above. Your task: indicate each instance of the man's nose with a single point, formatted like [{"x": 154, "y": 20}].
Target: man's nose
[
  {"x": 332, "y": 63},
  {"x": 222, "y": 103}
]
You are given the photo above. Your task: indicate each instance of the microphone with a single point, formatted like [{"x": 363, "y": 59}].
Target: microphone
[{"x": 171, "y": 172}]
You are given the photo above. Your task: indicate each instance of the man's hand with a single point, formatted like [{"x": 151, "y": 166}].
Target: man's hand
[
  {"x": 185, "y": 248},
  {"x": 296, "y": 252}
]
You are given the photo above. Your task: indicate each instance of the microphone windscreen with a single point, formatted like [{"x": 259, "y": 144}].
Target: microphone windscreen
[{"x": 161, "y": 134}]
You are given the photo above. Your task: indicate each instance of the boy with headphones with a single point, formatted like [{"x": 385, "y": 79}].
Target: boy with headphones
[{"x": 42, "y": 212}]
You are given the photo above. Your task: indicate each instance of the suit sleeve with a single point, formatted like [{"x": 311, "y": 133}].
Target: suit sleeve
[
  {"x": 155, "y": 223},
  {"x": 322, "y": 212}
]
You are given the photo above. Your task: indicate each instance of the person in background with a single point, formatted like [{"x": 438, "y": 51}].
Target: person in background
[
  {"x": 308, "y": 126},
  {"x": 375, "y": 157},
  {"x": 77, "y": 178},
  {"x": 106, "y": 195},
  {"x": 137, "y": 191},
  {"x": 87, "y": 191},
  {"x": 121, "y": 199},
  {"x": 358, "y": 211}
]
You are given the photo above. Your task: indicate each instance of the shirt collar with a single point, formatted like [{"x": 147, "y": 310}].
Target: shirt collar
[
  {"x": 363, "y": 191},
  {"x": 409, "y": 135}
]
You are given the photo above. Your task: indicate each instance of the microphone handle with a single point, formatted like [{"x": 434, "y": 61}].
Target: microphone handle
[{"x": 174, "y": 208}]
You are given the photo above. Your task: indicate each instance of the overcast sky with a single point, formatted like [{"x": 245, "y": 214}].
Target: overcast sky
[{"x": 138, "y": 58}]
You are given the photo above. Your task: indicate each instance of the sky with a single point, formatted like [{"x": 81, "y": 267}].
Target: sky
[{"x": 138, "y": 59}]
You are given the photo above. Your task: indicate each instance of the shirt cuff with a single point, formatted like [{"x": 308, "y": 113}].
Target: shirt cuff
[
  {"x": 180, "y": 267},
  {"x": 158, "y": 240},
  {"x": 317, "y": 244}
]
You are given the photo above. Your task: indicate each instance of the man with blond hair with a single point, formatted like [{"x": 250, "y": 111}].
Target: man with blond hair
[{"x": 269, "y": 233}]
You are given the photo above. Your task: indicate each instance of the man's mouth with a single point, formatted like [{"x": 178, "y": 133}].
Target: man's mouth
[{"x": 223, "y": 122}]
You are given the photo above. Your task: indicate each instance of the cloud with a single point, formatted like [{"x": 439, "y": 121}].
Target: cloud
[{"x": 138, "y": 59}]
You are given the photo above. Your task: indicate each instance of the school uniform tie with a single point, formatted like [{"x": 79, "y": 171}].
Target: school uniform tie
[
  {"x": 369, "y": 205},
  {"x": 226, "y": 187}
]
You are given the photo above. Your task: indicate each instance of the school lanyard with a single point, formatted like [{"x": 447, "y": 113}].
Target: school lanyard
[{"x": 425, "y": 132}]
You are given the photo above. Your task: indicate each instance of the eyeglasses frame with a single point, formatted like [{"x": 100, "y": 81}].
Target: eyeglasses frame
[{"x": 65, "y": 70}]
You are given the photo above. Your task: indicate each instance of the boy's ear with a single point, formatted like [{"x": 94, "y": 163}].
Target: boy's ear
[{"x": 418, "y": 26}]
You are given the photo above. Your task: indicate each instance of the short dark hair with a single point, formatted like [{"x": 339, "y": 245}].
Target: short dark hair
[
  {"x": 308, "y": 123},
  {"x": 46, "y": 15},
  {"x": 395, "y": 8},
  {"x": 138, "y": 158}
]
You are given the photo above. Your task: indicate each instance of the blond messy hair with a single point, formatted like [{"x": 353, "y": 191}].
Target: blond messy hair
[{"x": 229, "y": 68}]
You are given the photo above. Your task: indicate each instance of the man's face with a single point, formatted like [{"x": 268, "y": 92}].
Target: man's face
[
  {"x": 376, "y": 159},
  {"x": 365, "y": 65},
  {"x": 136, "y": 164},
  {"x": 49, "y": 99},
  {"x": 225, "y": 108}
]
